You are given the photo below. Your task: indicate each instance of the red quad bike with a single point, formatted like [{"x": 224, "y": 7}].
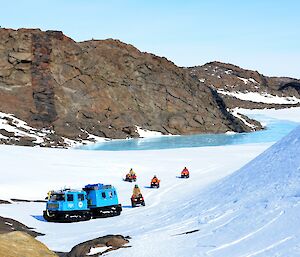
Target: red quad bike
[
  {"x": 185, "y": 174},
  {"x": 130, "y": 178},
  {"x": 154, "y": 184},
  {"x": 137, "y": 201}
]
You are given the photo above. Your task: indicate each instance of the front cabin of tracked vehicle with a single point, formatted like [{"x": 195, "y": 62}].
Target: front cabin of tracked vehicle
[
  {"x": 67, "y": 205},
  {"x": 68, "y": 200},
  {"x": 93, "y": 201}
]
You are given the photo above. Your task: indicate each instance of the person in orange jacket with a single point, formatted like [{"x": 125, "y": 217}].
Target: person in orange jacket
[
  {"x": 155, "y": 179},
  {"x": 154, "y": 182}
]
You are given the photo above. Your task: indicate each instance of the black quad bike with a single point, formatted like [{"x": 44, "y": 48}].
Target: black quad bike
[
  {"x": 137, "y": 201},
  {"x": 154, "y": 184},
  {"x": 185, "y": 175}
]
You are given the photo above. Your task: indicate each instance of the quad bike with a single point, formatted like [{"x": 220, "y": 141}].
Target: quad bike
[
  {"x": 154, "y": 184},
  {"x": 137, "y": 200},
  {"x": 130, "y": 178},
  {"x": 185, "y": 174}
]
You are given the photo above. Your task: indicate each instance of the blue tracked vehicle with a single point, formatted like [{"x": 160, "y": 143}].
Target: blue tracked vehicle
[{"x": 93, "y": 201}]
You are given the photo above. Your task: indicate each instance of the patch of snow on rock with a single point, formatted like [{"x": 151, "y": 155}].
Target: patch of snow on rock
[
  {"x": 244, "y": 80},
  {"x": 230, "y": 133},
  {"x": 261, "y": 98},
  {"x": 96, "y": 250},
  {"x": 253, "y": 81},
  {"x": 235, "y": 113},
  {"x": 147, "y": 133},
  {"x": 20, "y": 128}
]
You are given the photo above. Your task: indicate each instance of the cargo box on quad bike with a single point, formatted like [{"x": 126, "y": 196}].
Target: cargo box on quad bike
[{"x": 137, "y": 201}]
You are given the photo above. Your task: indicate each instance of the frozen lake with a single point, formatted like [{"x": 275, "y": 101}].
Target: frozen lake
[{"x": 274, "y": 130}]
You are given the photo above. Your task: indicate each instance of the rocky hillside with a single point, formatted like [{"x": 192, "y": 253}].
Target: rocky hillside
[
  {"x": 101, "y": 87},
  {"x": 245, "y": 88}
]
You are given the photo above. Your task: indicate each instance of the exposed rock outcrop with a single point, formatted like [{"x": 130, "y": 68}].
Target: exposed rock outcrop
[
  {"x": 4, "y": 202},
  {"x": 102, "y": 87},
  {"x": 230, "y": 78},
  {"x": 9, "y": 225},
  {"x": 97, "y": 246}
]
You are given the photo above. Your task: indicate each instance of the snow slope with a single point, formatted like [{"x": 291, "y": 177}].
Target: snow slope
[{"x": 255, "y": 211}]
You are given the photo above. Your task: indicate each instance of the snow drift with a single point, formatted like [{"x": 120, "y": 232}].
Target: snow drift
[
  {"x": 255, "y": 211},
  {"x": 275, "y": 173}
]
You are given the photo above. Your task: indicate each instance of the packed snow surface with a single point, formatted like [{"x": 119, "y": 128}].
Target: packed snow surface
[
  {"x": 291, "y": 114},
  {"x": 226, "y": 208},
  {"x": 28, "y": 173}
]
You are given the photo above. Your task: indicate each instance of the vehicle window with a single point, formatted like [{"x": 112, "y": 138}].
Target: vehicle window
[
  {"x": 80, "y": 197},
  {"x": 57, "y": 197},
  {"x": 70, "y": 198},
  {"x": 103, "y": 195},
  {"x": 115, "y": 193},
  {"x": 110, "y": 194}
]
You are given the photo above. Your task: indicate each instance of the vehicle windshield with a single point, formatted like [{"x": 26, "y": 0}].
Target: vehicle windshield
[{"x": 57, "y": 197}]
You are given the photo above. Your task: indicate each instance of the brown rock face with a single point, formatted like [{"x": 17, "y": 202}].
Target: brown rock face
[
  {"x": 232, "y": 78},
  {"x": 105, "y": 88},
  {"x": 42, "y": 81}
]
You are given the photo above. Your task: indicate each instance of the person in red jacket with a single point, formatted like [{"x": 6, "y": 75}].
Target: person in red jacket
[{"x": 185, "y": 172}]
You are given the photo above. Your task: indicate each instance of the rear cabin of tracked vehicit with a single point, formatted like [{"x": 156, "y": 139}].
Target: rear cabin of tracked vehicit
[
  {"x": 102, "y": 200},
  {"x": 93, "y": 201}
]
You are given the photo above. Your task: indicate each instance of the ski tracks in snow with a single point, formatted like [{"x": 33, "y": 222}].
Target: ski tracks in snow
[
  {"x": 269, "y": 247},
  {"x": 237, "y": 241}
]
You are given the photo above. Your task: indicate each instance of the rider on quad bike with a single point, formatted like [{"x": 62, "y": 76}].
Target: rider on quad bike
[
  {"x": 185, "y": 173},
  {"x": 137, "y": 197},
  {"x": 49, "y": 194},
  {"x": 154, "y": 182},
  {"x": 131, "y": 176}
]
